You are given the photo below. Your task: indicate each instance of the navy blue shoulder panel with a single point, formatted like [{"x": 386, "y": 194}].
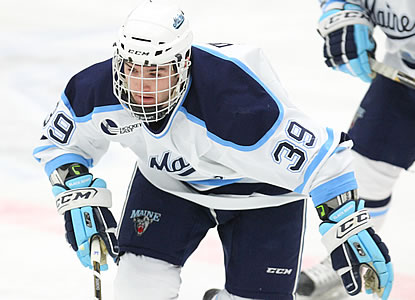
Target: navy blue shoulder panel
[
  {"x": 91, "y": 88},
  {"x": 232, "y": 104}
]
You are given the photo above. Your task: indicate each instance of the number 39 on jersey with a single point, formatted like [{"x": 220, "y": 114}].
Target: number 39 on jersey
[{"x": 292, "y": 151}]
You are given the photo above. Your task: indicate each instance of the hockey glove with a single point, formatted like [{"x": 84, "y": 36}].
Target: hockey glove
[
  {"x": 347, "y": 32},
  {"x": 354, "y": 246},
  {"x": 84, "y": 202}
]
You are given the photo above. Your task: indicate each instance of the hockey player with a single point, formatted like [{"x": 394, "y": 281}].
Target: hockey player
[
  {"x": 385, "y": 118},
  {"x": 218, "y": 144}
]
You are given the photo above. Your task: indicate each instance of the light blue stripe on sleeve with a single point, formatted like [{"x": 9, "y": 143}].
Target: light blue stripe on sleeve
[
  {"x": 317, "y": 160},
  {"x": 96, "y": 110},
  {"x": 333, "y": 188},
  {"x": 66, "y": 159}
]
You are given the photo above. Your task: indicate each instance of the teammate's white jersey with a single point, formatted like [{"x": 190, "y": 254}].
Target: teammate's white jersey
[
  {"x": 233, "y": 142},
  {"x": 397, "y": 20}
]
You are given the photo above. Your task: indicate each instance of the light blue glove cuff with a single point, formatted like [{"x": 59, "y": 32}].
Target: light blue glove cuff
[
  {"x": 79, "y": 182},
  {"x": 75, "y": 183}
]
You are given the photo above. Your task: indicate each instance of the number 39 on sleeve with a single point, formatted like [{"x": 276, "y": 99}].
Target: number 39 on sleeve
[{"x": 61, "y": 128}]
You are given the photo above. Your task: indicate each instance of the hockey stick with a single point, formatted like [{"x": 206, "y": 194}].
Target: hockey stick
[
  {"x": 96, "y": 263},
  {"x": 392, "y": 73}
]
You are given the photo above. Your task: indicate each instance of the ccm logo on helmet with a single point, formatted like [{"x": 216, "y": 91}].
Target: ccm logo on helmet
[
  {"x": 75, "y": 195},
  {"x": 138, "y": 52}
]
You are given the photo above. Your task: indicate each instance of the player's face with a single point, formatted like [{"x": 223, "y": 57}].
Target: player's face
[{"x": 151, "y": 85}]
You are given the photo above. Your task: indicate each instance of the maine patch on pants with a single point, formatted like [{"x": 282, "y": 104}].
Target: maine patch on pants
[{"x": 262, "y": 247}]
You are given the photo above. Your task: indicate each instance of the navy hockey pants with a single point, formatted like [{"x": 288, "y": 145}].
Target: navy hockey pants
[
  {"x": 262, "y": 247},
  {"x": 384, "y": 126}
]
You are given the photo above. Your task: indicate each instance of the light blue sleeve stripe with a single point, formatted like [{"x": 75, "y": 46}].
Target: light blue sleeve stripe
[
  {"x": 88, "y": 117},
  {"x": 215, "y": 182},
  {"x": 317, "y": 160},
  {"x": 333, "y": 188},
  {"x": 40, "y": 149},
  {"x": 66, "y": 159}
]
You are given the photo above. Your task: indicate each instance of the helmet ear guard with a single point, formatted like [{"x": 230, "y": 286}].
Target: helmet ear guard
[{"x": 157, "y": 37}]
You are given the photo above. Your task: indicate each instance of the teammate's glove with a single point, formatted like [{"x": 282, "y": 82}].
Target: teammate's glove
[
  {"x": 347, "y": 31},
  {"x": 84, "y": 202},
  {"x": 354, "y": 246}
]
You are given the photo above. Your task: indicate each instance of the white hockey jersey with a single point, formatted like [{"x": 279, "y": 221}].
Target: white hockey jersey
[
  {"x": 397, "y": 20},
  {"x": 233, "y": 142}
]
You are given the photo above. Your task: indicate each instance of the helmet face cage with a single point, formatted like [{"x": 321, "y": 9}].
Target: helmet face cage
[
  {"x": 149, "y": 92},
  {"x": 151, "y": 60}
]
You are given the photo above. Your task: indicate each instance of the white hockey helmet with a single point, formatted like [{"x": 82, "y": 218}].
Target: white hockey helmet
[{"x": 155, "y": 36}]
